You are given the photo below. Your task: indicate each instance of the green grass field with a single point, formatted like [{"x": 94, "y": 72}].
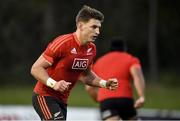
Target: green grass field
[{"x": 157, "y": 97}]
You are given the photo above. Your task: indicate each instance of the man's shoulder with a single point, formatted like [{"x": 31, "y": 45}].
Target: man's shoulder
[
  {"x": 60, "y": 41},
  {"x": 64, "y": 37},
  {"x": 120, "y": 54},
  {"x": 132, "y": 57}
]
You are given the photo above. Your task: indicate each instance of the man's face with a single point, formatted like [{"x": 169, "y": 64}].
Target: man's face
[{"x": 90, "y": 30}]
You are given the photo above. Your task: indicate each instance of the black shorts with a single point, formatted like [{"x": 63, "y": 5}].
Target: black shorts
[
  {"x": 49, "y": 108},
  {"x": 123, "y": 107}
]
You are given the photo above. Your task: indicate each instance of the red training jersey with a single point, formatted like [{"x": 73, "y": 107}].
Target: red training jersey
[
  {"x": 69, "y": 59},
  {"x": 116, "y": 65}
]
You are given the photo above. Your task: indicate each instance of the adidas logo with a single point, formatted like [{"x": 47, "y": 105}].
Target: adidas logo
[{"x": 74, "y": 51}]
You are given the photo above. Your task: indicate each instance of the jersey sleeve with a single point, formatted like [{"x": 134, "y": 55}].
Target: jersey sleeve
[
  {"x": 135, "y": 62},
  {"x": 52, "y": 52}
]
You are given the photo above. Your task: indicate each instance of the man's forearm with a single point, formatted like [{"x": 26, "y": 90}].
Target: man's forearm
[
  {"x": 39, "y": 74},
  {"x": 90, "y": 79},
  {"x": 93, "y": 80},
  {"x": 140, "y": 88}
]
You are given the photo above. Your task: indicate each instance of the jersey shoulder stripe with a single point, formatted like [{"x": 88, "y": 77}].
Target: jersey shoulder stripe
[{"x": 59, "y": 41}]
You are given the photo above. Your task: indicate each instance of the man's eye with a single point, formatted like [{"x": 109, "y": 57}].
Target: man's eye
[{"x": 94, "y": 27}]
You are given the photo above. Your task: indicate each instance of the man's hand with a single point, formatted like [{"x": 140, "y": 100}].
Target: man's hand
[
  {"x": 112, "y": 84},
  {"x": 139, "y": 102},
  {"x": 61, "y": 86}
]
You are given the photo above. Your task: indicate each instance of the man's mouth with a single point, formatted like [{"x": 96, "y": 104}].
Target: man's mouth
[{"x": 94, "y": 37}]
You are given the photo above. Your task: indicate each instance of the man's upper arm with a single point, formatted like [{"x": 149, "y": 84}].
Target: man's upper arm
[
  {"x": 136, "y": 72},
  {"x": 42, "y": 62}
]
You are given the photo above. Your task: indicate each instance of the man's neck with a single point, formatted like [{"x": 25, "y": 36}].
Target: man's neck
[{"x": 79, "y": 37}]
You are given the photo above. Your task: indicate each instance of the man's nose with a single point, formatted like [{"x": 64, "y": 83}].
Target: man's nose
[{"x": 97, "y": 31}]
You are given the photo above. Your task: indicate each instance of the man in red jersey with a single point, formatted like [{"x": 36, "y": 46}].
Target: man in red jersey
[
  {"x": 119, "y": 104},
  {"x": 67, "y": 59}
]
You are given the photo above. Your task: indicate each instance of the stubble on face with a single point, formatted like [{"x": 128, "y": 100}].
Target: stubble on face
[{"x": 91, "y": 30}]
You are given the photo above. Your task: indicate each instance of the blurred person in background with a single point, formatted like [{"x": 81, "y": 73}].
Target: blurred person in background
[
  {"x": 67, "y": 58},
  {"x": 119, "y": 104}
]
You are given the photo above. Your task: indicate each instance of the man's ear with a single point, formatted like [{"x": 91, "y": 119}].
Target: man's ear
[{"x": 80, "y": 26}]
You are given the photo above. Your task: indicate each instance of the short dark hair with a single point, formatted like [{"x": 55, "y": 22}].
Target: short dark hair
[
  {"x": 118, "y": 44},
  {"x": 86, "y": 13}
]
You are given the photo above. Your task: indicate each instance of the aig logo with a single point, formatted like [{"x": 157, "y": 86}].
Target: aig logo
[{"x": 80, "y": 64}]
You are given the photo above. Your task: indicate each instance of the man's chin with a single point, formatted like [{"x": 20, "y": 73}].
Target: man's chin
[{"x": 93, "y": 40}]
